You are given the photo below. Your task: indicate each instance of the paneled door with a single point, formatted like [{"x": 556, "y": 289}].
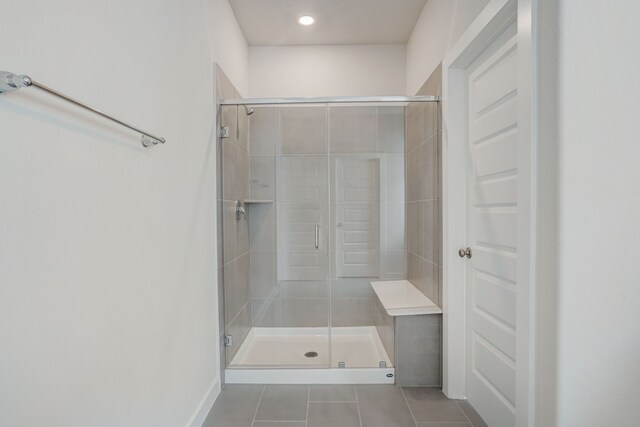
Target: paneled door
[
  {"x": 492, "y": 233},
  {"x": 357, "y": 215}
]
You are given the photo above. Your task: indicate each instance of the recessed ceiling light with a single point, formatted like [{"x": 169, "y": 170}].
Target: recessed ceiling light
[{"x": 306, "y": 20}]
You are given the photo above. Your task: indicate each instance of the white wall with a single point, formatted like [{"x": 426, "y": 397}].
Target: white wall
[
  {"x": 227, "y": 43},
  {"x": 340, "y": 70},
  {"x": 439, "y": 26},
  {"x": 107, "y": 250},
  {"x": 598, "y": 209}
]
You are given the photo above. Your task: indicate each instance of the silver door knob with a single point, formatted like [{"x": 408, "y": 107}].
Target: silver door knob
[{"x": 464, "y": 252}]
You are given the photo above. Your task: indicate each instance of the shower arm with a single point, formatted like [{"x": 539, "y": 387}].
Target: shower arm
[{"x": 10, "y": 82}]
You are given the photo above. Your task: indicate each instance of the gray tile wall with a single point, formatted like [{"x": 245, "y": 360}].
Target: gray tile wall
[
  {"x": 424, "y": 192},
  {"x": 414, "y": 346},
  {"x": 294, "y": 157},
  {"x": 386, "y": 330},
  {"x": 361, "y": 138},
  {"x": 418, "y": 350},
  {"x": 264, "y": 140},
  {"x": 234, "y": 258},
  {"x": 289, "y": 276}
]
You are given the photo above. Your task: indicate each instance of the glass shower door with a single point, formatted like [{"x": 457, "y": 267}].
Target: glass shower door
[
  {"x": 302, "y": 194},
  {"x": 366, "y": 150},
  {"x": 326, "y": 213}
]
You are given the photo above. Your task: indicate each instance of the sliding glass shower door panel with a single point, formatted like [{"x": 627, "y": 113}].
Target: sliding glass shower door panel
[
  {"x": 366, "y": 170},
  {"x": 330, "y": 180},
  {"x": 302, "y": 195}
]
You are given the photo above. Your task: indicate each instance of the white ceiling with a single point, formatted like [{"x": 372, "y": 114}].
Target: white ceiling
[{"x": 274, "y": 22}]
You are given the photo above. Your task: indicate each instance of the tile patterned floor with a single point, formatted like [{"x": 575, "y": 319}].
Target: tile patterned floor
[{"x": 338, "y": 406}]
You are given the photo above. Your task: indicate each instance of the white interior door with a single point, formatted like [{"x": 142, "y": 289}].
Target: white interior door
[
  {"x": 357, "y": 216},
  {"x": 492, "y": 233}
]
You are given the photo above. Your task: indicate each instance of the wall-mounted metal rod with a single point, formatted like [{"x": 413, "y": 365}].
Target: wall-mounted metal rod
[
  {"x": 10, "y": 82},
  {"x": 329, "y": 100},
  {"x": 317, "y": 236}
]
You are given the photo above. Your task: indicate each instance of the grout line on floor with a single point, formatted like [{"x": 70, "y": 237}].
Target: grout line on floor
[
  {"x": 255, "y": 414},
  {"x": 333, "y": 401},
  {"x": 306, "y": 422},
  {"x": 355, "y": 392},
  {"x": 408, "y": 406},
  {"x": 427, "y": 423}
]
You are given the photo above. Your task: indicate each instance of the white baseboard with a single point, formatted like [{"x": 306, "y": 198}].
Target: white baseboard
[{"x": 205, "y": 405}]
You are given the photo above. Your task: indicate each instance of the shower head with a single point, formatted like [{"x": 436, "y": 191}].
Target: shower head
[{"x": 248, "y": 110}]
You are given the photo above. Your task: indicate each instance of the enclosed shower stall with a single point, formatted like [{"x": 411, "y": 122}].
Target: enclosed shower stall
[{"x": 313, "y": 209}]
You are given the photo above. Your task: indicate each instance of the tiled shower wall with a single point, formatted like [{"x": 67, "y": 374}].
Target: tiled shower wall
[
  {"x": 264, "y": 131},
  {"x": 424, "y": 192},
  {"x": 337, "y": 164},
  {"x": 233, "y": 248}
]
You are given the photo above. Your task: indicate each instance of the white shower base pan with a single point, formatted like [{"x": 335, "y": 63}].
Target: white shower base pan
[{"x": 277, "y": 356}]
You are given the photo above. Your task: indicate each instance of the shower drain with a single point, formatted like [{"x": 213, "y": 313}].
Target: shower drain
[{"x": 311, "y": 354}]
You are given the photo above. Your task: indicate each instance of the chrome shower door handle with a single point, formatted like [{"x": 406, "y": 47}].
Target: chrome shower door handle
[{"x": 317, "y": 236}]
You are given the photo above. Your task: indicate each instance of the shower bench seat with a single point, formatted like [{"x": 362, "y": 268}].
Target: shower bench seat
[
  {"x": 401, "y": 298},
  {"x": 410, "y": 328}
]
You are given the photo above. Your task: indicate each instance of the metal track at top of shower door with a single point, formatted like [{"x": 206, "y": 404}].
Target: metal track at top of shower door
[{"x": 329, "y": 100}]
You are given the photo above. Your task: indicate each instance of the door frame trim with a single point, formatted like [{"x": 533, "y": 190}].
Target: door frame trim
[{"x": 497, "y": 16}]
